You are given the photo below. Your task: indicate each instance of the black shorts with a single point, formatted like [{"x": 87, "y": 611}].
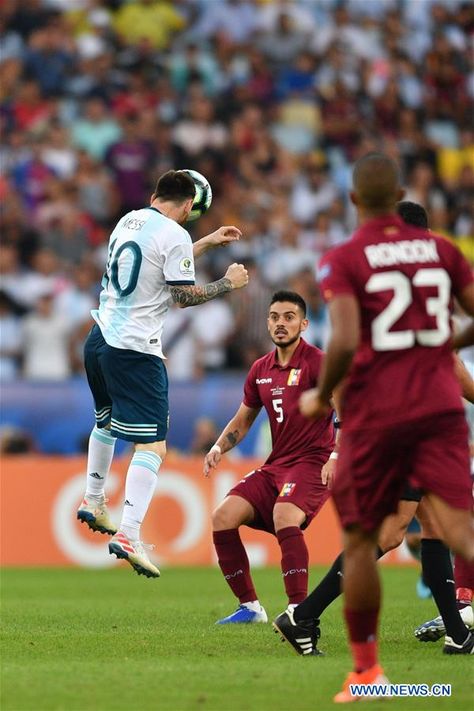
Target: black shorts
[{"x": 130, "y": 390}]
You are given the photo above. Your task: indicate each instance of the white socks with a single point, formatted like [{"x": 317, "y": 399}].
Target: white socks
[
  {"x": 100, "y": 455},
  {"x": 254, "y": 606},
  {"x": 139, "y": 489}
]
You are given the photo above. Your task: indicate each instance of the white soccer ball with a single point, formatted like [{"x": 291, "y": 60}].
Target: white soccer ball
[{"x": 203, "y": 197}]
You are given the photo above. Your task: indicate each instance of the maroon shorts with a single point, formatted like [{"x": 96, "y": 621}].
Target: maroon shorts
[
  {"x": 267, "y": 486},
  {"x": 374, "y": 466}
]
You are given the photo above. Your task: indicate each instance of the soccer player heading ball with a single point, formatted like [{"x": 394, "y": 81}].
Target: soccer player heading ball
[
  {"x": 390, "y": 291},
  {"x": 150, "y": 264}
]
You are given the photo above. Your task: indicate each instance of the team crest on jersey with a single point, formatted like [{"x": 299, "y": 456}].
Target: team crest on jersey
[
  {"x": 186, "y": 266},
  {"x": 294, "y": 376},
  {"x": 287, "y": 489}
]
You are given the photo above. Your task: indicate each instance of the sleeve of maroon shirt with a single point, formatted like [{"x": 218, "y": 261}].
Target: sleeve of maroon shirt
[
  {"x": 251, "y": 394},
  {"x": 334, "y": 277}
]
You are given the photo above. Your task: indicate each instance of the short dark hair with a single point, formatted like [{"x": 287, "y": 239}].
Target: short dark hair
[
  {"x": 175, "y": 186},
  {"x": 412, "y": 213},
  {"x": 376, "y": 181},
  {"x": 291, "y": 296}
]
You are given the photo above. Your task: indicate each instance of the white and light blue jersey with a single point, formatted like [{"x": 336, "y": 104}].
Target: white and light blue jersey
[{"x": 148, "y": 253}]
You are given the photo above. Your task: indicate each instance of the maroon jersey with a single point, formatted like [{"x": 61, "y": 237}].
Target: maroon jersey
[
  {"x": 295, "y": 439},
  {"x": 404, "y": 279}
]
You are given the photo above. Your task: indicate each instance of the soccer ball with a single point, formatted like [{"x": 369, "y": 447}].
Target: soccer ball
[{"x": 203, "y": 197}]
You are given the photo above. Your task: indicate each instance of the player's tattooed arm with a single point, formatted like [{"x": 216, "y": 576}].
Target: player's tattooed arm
[
  {"x": 237, "y": 428},
  {"x": 233, "y": 437},
  {"x": 185, "y": 295}
]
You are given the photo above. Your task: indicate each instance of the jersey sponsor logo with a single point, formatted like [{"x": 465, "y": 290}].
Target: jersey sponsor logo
[
  {"x": 263, "y": 381},
  {"x": 287, "y": 489},
  {"x": 186, "y": 266},
  {"x": 131, "y": 223},
  {"x": 294, "y": 376},
  {"x": 417, "y": 251}
]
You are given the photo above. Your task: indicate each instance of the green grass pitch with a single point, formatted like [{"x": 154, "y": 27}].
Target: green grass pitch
[{"x": 77, "y": 640}]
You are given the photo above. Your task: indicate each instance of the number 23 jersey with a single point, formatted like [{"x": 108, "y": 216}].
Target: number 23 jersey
[
  {"x": 295, "y": 439},
  {"x": 148, "y": 253},
  {"x": 404, "y": 280}
]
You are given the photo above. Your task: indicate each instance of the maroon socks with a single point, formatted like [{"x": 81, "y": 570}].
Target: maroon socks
[
  {"x": 234, "y": 563},
  {"x": 362, "y": 626},
  {"x": 294, "y": 563}
]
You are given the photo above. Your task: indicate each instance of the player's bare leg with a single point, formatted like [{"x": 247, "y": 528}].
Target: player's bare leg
[
  {"x": 232, "y": 557},
  {"x": 139, "y": 489},
  {"x": 361, "y": 609},
  {"x": 394, "y": 527},
  {"x": 456, "y": 525}
]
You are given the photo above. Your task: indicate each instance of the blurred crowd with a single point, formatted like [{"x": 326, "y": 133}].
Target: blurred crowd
[{"x": 271, "y": 101}]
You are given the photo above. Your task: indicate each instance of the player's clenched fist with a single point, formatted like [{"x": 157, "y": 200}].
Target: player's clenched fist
[
  {"x": 212, "y": 459},
  {"x": 237, "y": 275}
]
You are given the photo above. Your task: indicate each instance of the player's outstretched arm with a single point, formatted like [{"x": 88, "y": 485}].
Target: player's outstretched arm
[
  {"x": 185, "y": 295},
  {"x": 220, "y": 238},
  {"x": 232, "y": 434}
]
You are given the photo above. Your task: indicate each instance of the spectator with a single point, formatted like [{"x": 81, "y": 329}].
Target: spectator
[
  {"x": 31, "y": 176},
  {"x": 10, "y": 339},
  {"x": 205, "y": 434},
  {"x": 46, "y": 342},
  {"x": 313, "y": 190},
  {"x": 95, "y": 132},
  {"x": 49, "y": 58},
  {"x": 271, "y": 101},
  {"x": 97, "y": 195},
  {"x": 198, "y": 132},
  {"x": 211, "y": 343},
  {"x": 154, "y": 21},
  {"x": 131, "y": 161},
  {"x": 14, "y": 440}
]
